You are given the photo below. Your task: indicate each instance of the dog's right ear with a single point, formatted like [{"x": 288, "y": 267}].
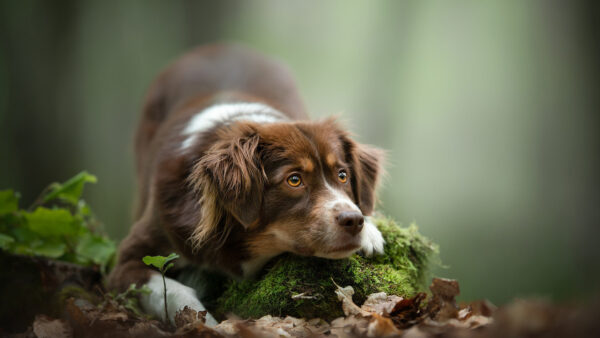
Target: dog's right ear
[
  {"x": 366, "y": 167},
  {"x": 229, "y": 180}
]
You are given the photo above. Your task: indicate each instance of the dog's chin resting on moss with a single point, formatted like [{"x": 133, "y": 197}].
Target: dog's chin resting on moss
[{"x": 303, "y": 287}]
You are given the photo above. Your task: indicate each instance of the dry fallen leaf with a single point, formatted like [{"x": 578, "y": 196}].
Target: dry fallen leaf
[
  {"x": 46, "y": 327},
  {"x": 190, "y": 323},
  {"x": 380, "y": 303},
  {"x": 409, "y": 311},
  {"x": 229, "y": 327},
  {"x": 353, "y": 326},
  {"x": 188, "y": 315},
  {"x": 482, "y": 307},
  {"x": 445, "y": 288},
  {"x": 443, "y": 305},
  {"x": 146, "y": 329},
  {"x": 380, "y": 326},
  {"x": 345, "y": 295},
  {"x": 274, "y": 326}
]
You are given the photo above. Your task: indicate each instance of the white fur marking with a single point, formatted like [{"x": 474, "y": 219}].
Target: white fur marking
[
  {"x": 178, "y": 297},
  {"x": 338, "y": 198},
  {"x": 223, "y": 112},
  {"x": 371, "y": 241}
]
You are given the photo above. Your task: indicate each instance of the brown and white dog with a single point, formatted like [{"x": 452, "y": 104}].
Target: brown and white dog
[{"x": 231, "y": 173}]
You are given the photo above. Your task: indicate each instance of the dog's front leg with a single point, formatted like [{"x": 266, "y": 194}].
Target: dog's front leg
[
  {"x": 178, "y": 297},
  {"x": 131, "y": 270}
]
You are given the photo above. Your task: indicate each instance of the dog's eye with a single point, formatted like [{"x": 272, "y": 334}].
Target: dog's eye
[
  {"x": 343, "y": 176},
  {"x": 294, "y": 180}
]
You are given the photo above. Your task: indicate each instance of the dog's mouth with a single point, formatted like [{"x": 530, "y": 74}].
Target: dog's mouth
[
  {"x": 340, "y": 246},
  {"x": 344, "y": 248},
  {"x": 339, "y": 252}
]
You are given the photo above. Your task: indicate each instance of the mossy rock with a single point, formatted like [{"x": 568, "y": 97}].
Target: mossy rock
[{"x": 402, "y": 270}]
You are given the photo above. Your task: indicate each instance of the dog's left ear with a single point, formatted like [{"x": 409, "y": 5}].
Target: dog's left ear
[
  {"x": 234, "y": 169},
  {"x": 366, "y": 167},
  {"x": 229, "y": 180}
]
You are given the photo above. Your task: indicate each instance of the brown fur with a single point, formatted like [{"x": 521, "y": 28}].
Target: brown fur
[{"x": 225, "y": 200}]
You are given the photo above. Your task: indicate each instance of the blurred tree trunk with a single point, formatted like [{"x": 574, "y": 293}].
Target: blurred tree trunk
[
  {"x": 39, "y": 137},
  {"x": 73, "y": 77}
]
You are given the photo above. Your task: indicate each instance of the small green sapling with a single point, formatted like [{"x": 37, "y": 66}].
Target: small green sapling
[{"x": 162, "y": 264}]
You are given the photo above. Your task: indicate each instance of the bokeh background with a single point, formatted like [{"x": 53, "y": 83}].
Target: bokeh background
[{"x": 489, "y": 110}]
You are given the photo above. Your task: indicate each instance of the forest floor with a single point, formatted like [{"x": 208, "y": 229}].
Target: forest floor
[{"x": 433, "y": 314}]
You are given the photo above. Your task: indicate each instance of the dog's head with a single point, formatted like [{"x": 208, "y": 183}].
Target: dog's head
[{"x": 301, "y": 187}]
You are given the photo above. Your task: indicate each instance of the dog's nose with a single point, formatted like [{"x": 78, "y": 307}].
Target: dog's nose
[{"x": 351, "y": 221}]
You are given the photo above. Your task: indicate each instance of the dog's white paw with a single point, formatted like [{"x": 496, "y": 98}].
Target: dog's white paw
[
  {"x": 372, "y": 241},
  {"x": 178, "y": 297}
]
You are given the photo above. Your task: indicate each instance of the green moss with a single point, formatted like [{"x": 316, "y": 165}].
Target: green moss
[{"x": 402, "y": 270}]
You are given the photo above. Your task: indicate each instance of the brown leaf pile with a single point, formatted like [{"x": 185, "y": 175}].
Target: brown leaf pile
[
  {"x": 381, "y": 315},
  {"x": 391, "y": 316}
]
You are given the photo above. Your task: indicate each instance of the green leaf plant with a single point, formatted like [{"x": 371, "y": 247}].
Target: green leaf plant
[
  {"x": 71, "y": 189},
  {"x": 58, "y": 225},
  {"x": 162, "y": 264}
]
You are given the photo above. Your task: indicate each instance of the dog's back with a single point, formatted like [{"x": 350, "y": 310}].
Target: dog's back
[
  {"x": 211, "y": 70},
  {"x": 204, "y": 74}
]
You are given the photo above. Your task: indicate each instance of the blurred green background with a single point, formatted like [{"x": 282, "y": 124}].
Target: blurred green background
[{"x": 489, "y": 110}]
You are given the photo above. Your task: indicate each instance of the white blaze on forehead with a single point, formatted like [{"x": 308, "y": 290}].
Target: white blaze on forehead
[{"x": 228, "y": 112}]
